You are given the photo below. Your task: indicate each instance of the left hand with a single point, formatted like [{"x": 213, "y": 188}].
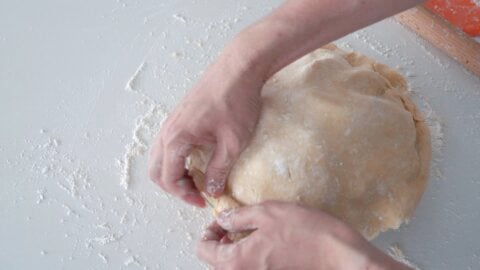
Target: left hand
[
  {"x": 220, "y": 113},
  {"x": 288, "y": 236}
]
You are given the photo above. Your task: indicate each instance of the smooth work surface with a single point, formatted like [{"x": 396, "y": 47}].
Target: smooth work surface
[{"x": 84, "y": 85}]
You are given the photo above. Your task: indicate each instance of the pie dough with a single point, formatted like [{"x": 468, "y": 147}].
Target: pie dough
[{"x": 337, "y": 132}]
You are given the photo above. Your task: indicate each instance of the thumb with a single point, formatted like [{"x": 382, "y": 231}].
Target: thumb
[{"x": 217, "y": 170}]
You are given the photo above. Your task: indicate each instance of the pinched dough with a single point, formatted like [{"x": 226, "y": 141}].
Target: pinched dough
[{"x": 337, "y": 132}]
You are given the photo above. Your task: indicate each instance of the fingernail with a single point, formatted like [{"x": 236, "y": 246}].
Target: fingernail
[
  {"x": 215, "y": 187},
  {"x": 207, "y": 235},
  {"x": 182, "y": 183}
]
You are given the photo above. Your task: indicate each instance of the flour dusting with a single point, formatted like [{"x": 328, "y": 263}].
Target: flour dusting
[
  {"x": 132, "y": 260},
  {"x": 180, "y": 18},
  {"x": 62, "y": 181},
  {"x": 131, "y": 83},
  {"x": 396, "y": 253},
  {"x": 280, "y": 167},
  {"x": 41, "y": 196},
  {"x": 144, "y": 129},
  {"x": 103, "y": 257},
  {"x": 434, "y": 123},
  {"x": 143, "y": 132}
]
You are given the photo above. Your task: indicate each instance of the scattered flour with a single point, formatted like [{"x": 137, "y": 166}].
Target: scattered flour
[
  {"x": 143, "y": 132},
  {"x": 144, "y": 129},
  {"x": 396, "y": 253},
  {"x": 41, "y": 196},
  {"x": 106, "y": 230},
  {"x": 45, "y": 170},
  {"x": 179, "y": 17},
  {"x": 280, "y": 167},
  {"x": 132, "y": 260},
  {"x": 373, "y": 44},
  {"x": 103, "y": 257},
  {"x": 70, "y": 211},
  {"x": 107, "y": 239},
  {"x": 90, "y": 221},
  {"x": 434, "y": 123},
  {"x": 132, "y": 82}
]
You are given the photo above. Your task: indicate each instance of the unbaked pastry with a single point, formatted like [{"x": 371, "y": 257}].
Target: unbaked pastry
[{"x": 337, "y": 132}]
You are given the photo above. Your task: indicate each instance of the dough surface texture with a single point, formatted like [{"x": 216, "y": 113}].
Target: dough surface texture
[{"x": 337, "y": 132}]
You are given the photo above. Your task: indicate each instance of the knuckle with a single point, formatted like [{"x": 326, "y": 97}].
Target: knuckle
[
  {"x": 267, "y": 212},
  {"x": 260, "y": 211},
  {"x": 178, "y": 147},
  {"x": 170, "y": 140},
  {"x": 233, "y": 152},
  {"x": 171, "y": 187},
  {"x": 167, "y": 186},
  {"x": 172, "y": 136},
  {"x": 155, "y": 173},
  {"x": 233, "y": 141},
  {"x": 234, "y": 144}
]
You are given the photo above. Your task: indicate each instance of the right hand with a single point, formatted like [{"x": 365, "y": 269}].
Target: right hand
[
  {"x": 221, "y": 111},
  {"x": 288, "y": 236}
]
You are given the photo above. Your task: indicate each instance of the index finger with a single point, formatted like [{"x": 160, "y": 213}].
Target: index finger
[
  {"x": 173, "y": 166},
  {"x": 174, "y": 175},
  {"x": 212, "y": 249}
]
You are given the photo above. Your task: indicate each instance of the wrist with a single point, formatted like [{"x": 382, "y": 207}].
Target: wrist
[
  {"x": 246, "y": 59},
  {"x": 263, "y": 48},
  {"x": 239, "y": 67}
]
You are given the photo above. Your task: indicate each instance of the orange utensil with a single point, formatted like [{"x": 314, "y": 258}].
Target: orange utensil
[
  {"x": 444, "y": 36},
  {"x": 465, "y": 14}
]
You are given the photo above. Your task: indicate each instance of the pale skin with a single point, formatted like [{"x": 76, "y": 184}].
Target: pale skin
[
  {"x": 221, "y": 112},
  {"x": 304, "y": 239}
]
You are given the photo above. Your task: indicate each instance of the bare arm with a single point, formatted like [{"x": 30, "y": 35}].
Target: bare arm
[
  {"x": 298, "y": 27},
  {"x": 222, "y": 109}
]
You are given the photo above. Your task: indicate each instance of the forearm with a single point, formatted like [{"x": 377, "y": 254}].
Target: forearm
[{"x": 300, "y": 26}]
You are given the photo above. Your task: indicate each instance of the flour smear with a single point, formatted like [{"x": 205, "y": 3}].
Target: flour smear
[{"x": 144, "y": 129}]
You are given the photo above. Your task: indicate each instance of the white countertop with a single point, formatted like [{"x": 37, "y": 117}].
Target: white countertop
[{"x": 69, "y": 130}]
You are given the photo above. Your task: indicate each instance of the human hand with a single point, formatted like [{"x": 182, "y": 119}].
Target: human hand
[
  {"x": 288, "y": 236},
  {"x": 221, "y": 111}
]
